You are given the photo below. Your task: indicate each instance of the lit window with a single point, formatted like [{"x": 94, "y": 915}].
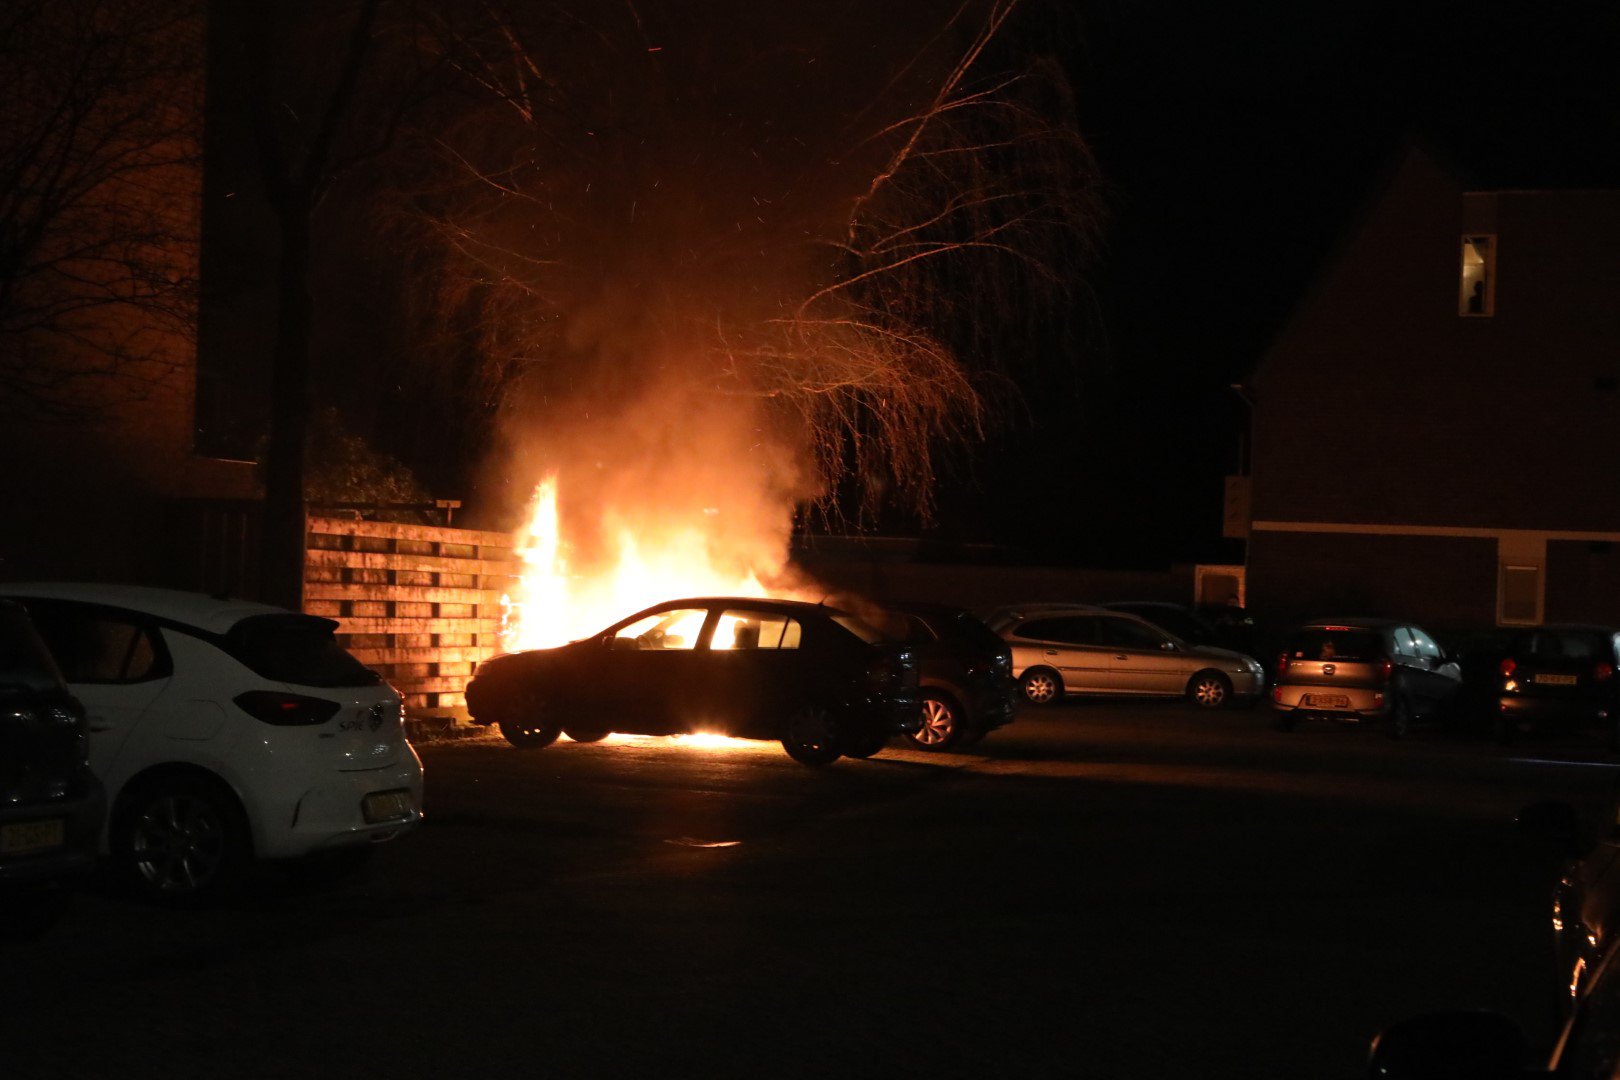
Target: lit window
[{"x": 1476, "y": 289}]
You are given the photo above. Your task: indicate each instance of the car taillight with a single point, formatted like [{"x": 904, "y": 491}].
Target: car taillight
[
  {"x": 1386, "y": 668},
  {"x": 1282, "y": 664},
  {"x": 1603, "y": 672},
  {"x": 286, "y": 710},
  {"x": 1508, "y": 666}
]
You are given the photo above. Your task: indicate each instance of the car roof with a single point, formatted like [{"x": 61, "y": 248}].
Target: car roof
[
  {"x": 1019, "y": 611},
  {"x": 215, "y": 614},
  {"x": 801, "y": 606}
]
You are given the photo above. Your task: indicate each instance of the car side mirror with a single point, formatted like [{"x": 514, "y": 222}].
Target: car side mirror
[
  {"x": 1167, "y": 646},
  {"x": 1441, "y": 1046}
]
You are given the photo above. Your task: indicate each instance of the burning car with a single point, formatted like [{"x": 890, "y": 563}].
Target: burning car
[{"x": 821, "y": 681}]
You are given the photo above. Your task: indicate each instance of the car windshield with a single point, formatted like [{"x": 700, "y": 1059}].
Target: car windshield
[
  {"x": 297, "y": 649},
  {"x": 967, "y": 627},
  {"x": 1565, "y": 645},
  {"x": 24, "y": 662},
  {"x": 1327, "y": 643},
  {"x": 859, "y": 627}
]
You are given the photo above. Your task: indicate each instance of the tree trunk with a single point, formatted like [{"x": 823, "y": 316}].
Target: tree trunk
[{"x": 283, "y": 537}]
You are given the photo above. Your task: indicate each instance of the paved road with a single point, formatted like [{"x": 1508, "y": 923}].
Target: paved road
[{"x": 1097, "y": 891}]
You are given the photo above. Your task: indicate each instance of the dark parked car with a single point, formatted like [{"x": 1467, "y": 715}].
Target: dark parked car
[
  {"x": 1363, "y": 669},
  {"x": 965, "y": 673},
  {"x": 1077, "y": 649},
  {"x": 51, "y": 806},
  {"x": 1586, "y": 925},
  {"x": 1223, "y": 627},
  {"x": 822, "y": 681},
  {"x": 1545, "y": 678}
]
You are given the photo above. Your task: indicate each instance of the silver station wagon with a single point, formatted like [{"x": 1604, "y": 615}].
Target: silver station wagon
[{"x": 1081, "y": 650}]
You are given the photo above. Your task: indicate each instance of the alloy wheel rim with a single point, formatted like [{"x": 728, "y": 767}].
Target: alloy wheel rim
[
  {"x": 937, "y": 723},
  {"x": 1209, "y": 692},
  {"x": 1039, "y": 688},
  {"x": 179, "y": 843}
]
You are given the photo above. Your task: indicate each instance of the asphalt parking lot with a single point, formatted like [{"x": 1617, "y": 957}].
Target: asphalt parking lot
[{"x": 1100, "y": 890}]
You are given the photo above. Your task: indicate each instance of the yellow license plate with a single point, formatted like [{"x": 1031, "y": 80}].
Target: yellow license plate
[
  {"x": 25, "y": 836},
  {"x": 387, "y": 806},
  {"x": 1555, "y": 680},
  {"x": 1328, "y": 701}
]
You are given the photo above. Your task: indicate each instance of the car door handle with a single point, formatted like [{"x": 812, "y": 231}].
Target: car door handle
[
  {"x": 97, "y": 723},
  {"x": 1120, "y": 656},
  {"x": 1051, "y": 652}
]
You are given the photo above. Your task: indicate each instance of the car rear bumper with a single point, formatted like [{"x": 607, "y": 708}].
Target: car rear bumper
[
  {"x": 81, "y": 820},
  {"x": 333, "y": 813},
  {"x": 1575, "y": 712},
  {"x": 1336, "y": 702}
]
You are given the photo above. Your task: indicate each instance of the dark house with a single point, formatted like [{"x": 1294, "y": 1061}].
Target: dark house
[{"x": 1437, "y": 428}]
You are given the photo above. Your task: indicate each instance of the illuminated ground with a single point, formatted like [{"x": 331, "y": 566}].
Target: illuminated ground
[{"x": 1103, "y": 891}]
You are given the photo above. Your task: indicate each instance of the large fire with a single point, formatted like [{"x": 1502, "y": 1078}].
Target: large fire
[{"x": 556, "y": 601}]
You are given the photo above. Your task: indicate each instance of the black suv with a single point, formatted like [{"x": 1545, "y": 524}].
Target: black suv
[
  {"x": 965, "y": 671},
  {"x": 51, "y": 806}
]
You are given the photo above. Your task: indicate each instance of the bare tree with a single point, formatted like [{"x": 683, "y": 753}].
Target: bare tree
[
  {"x": 860, "y": 266},
  {"x": 101, "y": 106},
  {"x": 329, "y": 86}
]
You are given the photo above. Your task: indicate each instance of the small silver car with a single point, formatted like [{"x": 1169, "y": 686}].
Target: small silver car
[
  {"x": 1060, "y": 650},
  {"x": 1363, "y": 669}
]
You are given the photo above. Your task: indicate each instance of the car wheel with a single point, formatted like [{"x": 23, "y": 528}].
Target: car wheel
[
  {"x": 865, "y": 746},
  {"x": 811, "y": 737},
  {"x": 1209, "y": 690},
  {"x": 586, "y": 734},
  {"x": 1400, "y": 718},
  {"x": 180, "y": 839},
  {"x": 1041, "y": 686},
  {"x": 941, "y": 723},
  {"x": 525, "y": 732}
]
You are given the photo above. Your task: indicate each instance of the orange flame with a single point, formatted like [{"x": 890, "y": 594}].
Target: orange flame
[{"x": 554, "y": 603}]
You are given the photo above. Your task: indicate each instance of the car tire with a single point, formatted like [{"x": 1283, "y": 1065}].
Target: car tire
[
  {"x": 1400, "y": 717},
  {"x": 941, "y": 723},
  {"x": 811, "y": 737},
  {"x": 180, "y": 839},
  {"x": 1041, "y": 686},
  {"x": 865, "y": 746},
  {"x": 586, "y": 735},
  {"x": 522, "y": 730},
  {"x": 1210, "y": 690}
]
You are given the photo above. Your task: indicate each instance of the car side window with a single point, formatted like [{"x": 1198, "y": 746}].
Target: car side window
[
  {"x": 1069, "y": 630},
  {"x": 1401, "y": 642},
  {"x": 738, "y": 629},
  {"x": 1426, "y": 645},
  {"x": 1129, "y": 634},
  {"x": 92, "y": 646},
  {"x": 663, "y": 631}
]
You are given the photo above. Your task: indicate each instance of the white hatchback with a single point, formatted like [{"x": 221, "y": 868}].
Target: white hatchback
[{"x": 225, "y": 730}]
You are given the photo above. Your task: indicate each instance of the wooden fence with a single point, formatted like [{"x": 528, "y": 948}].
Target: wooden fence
[{"x": 420, "y": 603}]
